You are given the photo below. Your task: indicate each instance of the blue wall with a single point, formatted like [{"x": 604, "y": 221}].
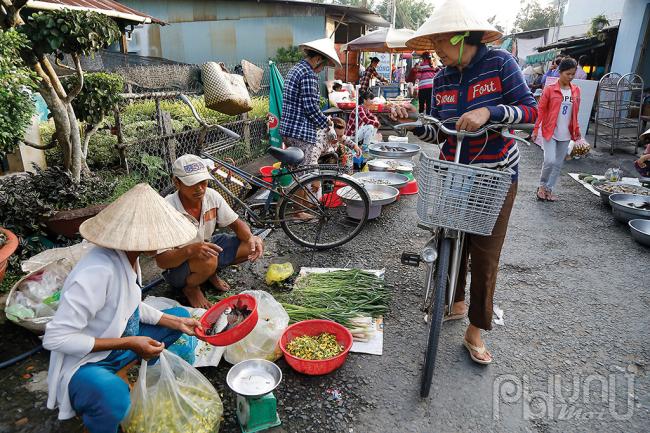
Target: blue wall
[
  {"x": 204, "y": 30},
  {"x": 631, "y": 33}
]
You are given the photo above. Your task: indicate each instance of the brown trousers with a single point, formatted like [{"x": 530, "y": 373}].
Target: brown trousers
[{"x": 484, "y": 253}]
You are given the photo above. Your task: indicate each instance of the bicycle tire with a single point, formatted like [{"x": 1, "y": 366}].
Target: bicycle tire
[
  {"x": 438, "y": 310},
  {"x": 289, "y": 229}
]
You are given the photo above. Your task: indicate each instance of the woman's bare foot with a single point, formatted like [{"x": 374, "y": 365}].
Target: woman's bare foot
[
  {"x": 473, "y": 337},
  {"x": 219, "y": 284},
  {"x": 541, "y": 193},
  {"x": 196, "y": 297},
  {"x": 550, "y": 196}
]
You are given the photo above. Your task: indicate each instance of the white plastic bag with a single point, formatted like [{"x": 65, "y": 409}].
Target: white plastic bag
[
  {"x": 262, "y": 342},
  {"x": 172, "y": 396}
]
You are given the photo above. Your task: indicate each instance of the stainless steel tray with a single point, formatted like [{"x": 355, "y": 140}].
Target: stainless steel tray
[
  {"x": 254, "y": 377},
  {"x": 395, "y": 180},
  {"x": 640, "y": 230},
  {"x": 623, "y": 206},
  {"x": 383, "y": 194},
  {"x": 396, "y": 165},
  {"x": 604, "y": 195},
  {"x": 384, "y": 150}
]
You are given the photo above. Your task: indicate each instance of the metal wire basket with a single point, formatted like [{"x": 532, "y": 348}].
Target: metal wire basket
[{"x": 460, "y": 197}]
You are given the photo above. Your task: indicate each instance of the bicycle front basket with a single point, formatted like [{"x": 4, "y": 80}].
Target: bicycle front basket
[{"x": 460, "y": 197}]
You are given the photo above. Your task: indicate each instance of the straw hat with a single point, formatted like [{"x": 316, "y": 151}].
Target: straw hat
[
  {"x": 139, "y": 220},
  {"x": 453, "y": 16},
  {"x": 325, "y": 47}
]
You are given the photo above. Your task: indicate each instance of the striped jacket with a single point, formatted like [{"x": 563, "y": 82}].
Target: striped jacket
[
  {"x": 493, "y": 80},
  {"x": 425, "y": 75}
]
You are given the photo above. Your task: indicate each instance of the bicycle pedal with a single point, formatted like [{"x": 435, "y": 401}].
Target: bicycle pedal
[{"x": 411, "y": 259}]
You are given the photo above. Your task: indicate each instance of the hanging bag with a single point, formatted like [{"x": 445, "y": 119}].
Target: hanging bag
[{"x": 223, "y": 91}]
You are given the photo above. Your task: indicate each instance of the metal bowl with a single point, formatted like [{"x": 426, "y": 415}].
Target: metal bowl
[
  {"x": 254, "y": 377},
  {"x": 379, "y": 195},
  {"x": 396, "y": 165},
  {"x": 632, "y": 189},
  {"x": 640, "y": 230},
  {"x": 394, "y": 150},
  {"x": 381, "y": 178},
  {"x": 625, "y": 206}
]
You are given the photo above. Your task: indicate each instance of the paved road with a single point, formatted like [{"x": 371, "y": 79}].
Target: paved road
[{"x": 574, "y": 287}]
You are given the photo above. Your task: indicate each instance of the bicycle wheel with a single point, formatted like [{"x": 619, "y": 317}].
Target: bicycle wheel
[
  {"x": 437, "y": 311},
  {"x": 319, "y": 219}
]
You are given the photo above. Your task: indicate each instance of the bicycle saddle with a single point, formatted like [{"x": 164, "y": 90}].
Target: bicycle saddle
[{"x": 290, "y": 155}]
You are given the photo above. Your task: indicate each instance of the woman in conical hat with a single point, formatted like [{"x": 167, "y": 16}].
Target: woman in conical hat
[
  {"x": 101, "y": 324},
  {"x": 477, "y": 85}
]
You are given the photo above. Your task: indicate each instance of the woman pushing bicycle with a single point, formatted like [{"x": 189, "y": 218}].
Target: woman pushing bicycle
[{"x": 478, "y": 85}]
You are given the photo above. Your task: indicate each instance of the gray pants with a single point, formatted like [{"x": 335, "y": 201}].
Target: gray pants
[{"x": 554, "y": 154}]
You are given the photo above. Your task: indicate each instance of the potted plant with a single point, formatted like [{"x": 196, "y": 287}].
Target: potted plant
[{"x": 8, "y": 245}]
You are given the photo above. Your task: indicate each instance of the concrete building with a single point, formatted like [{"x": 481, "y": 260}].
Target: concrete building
[
  {"x": 228, "y": 31},
  {"x": 631, "y": 52}
]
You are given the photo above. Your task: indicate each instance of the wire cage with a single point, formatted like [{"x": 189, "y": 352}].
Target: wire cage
[{"x": 460, "y": 197}]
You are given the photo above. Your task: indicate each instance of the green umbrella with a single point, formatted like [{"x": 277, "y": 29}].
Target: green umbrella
[{"x": 275, "y": 104}]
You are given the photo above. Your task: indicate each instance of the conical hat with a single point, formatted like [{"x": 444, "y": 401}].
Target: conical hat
[
  {"x": 453, "y": 16},
  {"x": 139, "y": 220},
  {"x": 325, "y": 47}
]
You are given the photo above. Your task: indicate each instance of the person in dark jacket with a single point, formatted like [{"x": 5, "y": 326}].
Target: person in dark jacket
[{"x": 477, "y": 85}]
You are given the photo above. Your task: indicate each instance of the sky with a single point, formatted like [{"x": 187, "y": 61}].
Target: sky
[{"x": 505, "y": 10}]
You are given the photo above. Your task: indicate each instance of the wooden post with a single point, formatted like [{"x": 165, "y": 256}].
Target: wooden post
[{"x": 247, "y": 134}]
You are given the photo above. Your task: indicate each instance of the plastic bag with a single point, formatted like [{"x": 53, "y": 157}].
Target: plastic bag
[
  {"x": 278, "y": 272},
  {"x": 579, "y": 149},
  {"x": 172, "y": 396},
  {"x": 262, "y": 342}
]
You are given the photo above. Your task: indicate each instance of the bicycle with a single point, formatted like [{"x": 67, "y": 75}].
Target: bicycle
[
  {"x": 454, "y": 199},
  {"x": 310, "y": 208}
]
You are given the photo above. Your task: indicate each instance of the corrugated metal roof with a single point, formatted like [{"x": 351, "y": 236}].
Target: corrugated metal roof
[
  {"x": 107, "y": 7},
  {"x": 352, "y": 13}
]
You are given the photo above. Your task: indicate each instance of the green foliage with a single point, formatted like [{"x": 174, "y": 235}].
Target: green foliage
[
  {"x": 410, "y": 14},
  {"x": 124, "y": 183},
  {"x": 597, "y": 24},
  {"x": 532, "y": 16},
  {"x": 70, "y": 31},
  {"x": 290, "y": 54},
  {"x": 99, "y": 95},
  {"x": 101, "y": 149},
  {"x": 154, "y": 168},
  {"x": 16, "y": 85},
  {"x": 27, "y": 200},
  {"x": 10, "y": 279}
]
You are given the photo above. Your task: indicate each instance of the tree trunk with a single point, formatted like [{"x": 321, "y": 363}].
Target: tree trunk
[{"x": 67, "y": 131}]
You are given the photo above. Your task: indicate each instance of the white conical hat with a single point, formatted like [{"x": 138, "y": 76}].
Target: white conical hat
[
  {"x": 139, "y": 220},
  {"x": 453, "y": 16},
  {"x": 324, "y": 46}
]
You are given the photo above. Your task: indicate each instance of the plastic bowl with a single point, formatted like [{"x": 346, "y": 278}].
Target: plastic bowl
[
  {"x": 232, "y": 335},
  {"x": 410, "y": 188},
  {"x": 346, "y": 105},
  {"x": 266, "y": 173},
  {"x": 314, "y": 328}
]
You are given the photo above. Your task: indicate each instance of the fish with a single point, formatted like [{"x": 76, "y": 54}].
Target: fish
[{"x": 229, "y": 319}]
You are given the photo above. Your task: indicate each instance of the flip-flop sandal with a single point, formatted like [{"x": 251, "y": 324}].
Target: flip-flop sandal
[
  {"x": 480, "y": 350},
  {"x": 540, "y": 198},
  {"x": 454, "y": 316}
]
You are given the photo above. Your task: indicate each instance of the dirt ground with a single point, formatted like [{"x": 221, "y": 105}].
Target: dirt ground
[{"x": 572, "y": 355}]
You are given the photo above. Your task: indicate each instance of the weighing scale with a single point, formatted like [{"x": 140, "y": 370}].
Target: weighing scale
[{"x": 253, "y": 381}]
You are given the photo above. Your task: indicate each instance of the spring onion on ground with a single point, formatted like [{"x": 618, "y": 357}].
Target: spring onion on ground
[{"x": 341, "y": 296}]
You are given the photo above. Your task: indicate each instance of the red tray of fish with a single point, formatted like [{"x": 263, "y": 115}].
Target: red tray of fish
[{"x": 229, "y": 320}]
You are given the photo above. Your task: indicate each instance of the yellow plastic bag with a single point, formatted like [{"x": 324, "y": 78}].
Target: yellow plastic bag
[{"x": 278, "y": 272}]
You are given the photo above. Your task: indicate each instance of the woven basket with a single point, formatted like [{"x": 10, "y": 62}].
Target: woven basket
[
  {"x": 235, "y": 184},
  {"x": 224, "y": 92}
]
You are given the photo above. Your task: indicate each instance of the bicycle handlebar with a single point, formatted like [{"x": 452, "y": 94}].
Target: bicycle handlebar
[{"x": 202, "y": 122}]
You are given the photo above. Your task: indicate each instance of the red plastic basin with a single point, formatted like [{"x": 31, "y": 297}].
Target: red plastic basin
[
  {"x": 232, "y": 335},
  {"x": 266, "y": 173},
  {"x": 314, "y": 328},
  {"x": 410, "y": 188},
  {"x": 331, "y": 200}
]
